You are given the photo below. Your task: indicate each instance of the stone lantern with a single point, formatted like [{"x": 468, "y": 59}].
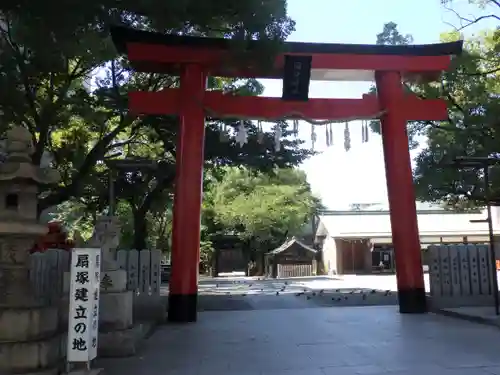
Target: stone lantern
[{"x": 29, "y": 341}]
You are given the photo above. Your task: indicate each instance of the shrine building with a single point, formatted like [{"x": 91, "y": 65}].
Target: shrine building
[{"x": 359, "y": 241}]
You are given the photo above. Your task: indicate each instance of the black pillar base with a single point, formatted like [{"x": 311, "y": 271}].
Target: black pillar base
[
  {"x": 182, "y": 308},
  {"x": 412, "y": 301}
]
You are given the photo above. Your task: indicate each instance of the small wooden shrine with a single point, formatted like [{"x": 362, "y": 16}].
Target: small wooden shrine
[{"x": 292, "y": 259}]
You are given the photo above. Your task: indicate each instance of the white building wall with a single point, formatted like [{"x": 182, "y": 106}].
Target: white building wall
[{"x": 330, "y": 256}]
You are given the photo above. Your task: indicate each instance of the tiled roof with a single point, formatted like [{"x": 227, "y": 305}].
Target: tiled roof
[
  {"x": 421, "y": 206},
  {"x": 288, "y": 244},
  {"x": 377, "y": 224}
]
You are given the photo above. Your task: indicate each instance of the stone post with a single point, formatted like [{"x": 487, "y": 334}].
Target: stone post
[
  {"x": 29, "y": 339},
  {"x": 117, "y": 335}
]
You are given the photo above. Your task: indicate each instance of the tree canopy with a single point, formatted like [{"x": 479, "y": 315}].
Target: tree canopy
[
  {"x": 471, "y": 89},
  {"x": 262, "y": 209},
  {"x": 62, "y": 79}
]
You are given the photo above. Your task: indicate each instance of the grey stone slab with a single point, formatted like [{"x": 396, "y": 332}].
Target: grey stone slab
[
  {"x": 115, "y": 311},
  {"x": 495, "y": 370},
  {"x": 350, "y": 340},
  {"x": 479, "y": 314}
]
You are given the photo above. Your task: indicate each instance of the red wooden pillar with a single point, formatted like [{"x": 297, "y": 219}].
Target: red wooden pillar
[
  {"x": 403, "y": 213},
  {"x": 183, "y": 292}
]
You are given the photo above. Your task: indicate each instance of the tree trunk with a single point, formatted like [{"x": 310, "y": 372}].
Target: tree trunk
[{"x": 140, "y": 230}]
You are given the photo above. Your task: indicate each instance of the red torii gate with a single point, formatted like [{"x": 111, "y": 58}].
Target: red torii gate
[{"x": 195, "y": 58}]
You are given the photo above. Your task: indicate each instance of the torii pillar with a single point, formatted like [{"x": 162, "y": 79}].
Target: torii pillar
[{"x": 403, "y": 213}]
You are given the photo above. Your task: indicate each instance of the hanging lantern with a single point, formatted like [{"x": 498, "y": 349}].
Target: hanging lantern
[
  {"x": 277, "y": 137},
  {"x": 347, "y": 137},
  {"x": 223, "y": 133},
  {"x": 295, "y": 127},
  {"x": 241, "y": 134},
  {"x": 364, "y": 132},
  {"x": 313, "y": 136},
  {"x": 330, "y": 133},
  {"x": 260, "y": 133}
]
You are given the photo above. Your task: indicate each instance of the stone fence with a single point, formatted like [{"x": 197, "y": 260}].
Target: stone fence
[
  {"x": 143, "y": 269},
  {"x": 460, "y": 276}
]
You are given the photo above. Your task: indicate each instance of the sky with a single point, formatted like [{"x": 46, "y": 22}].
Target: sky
[{"x": 338, "y": 177}]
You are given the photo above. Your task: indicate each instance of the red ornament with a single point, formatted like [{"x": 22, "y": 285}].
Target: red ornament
[{"x": 55, "y": 238}]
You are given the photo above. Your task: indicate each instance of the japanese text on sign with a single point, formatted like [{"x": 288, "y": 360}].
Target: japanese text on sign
[{"x": 83, "y": 320}]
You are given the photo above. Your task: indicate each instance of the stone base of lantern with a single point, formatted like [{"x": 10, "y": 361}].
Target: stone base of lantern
[
  {"x": 29, "y": 343},
  {"x": 27, "y": 323},
  {"x": 31, "y": 357}
]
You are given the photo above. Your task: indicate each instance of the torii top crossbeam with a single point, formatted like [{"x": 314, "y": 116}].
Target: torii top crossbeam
[
  {"x": 160, "y": 53},
  {"x": 156, "y": 52}
]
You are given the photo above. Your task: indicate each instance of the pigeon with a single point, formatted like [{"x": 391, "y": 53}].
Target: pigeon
[
  {"x": 314, "y": 294},
  {"x": 308, "y": 297},
  {"x": 387, "y": 293},
  {"x": 277, "y": 293},
  {"x": 373, "y": 291}
]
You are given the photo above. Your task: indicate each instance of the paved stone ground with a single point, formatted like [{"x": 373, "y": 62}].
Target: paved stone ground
[
  {"x": 479, "y": 314},
  {"x": 254, "y": 294},
  {"x": 319, "y": 341}
]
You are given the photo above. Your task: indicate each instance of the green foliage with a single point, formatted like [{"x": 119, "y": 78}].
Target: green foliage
[
  {"x": 391, "y": 36},
  {"x": 74, "y": 217},
  {"x": 471, "y": 89},
  {"x": 262, "y": 209},
  {"x": 46, "y": 61}
]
